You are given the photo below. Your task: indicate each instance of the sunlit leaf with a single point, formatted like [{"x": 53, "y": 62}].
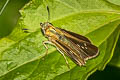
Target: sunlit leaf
[{"x": 24, "y": 56}]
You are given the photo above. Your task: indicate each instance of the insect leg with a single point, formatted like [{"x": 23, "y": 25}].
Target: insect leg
[
  {"x": 44, "y": 43},
  {"x": 64, "y": 58}
]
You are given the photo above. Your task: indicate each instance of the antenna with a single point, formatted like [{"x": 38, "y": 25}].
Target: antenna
[{"x": 48, "y": 13}]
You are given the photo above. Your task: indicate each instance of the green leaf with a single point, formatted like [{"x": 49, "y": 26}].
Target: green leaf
[
  {"x": 116, "y": 57},
  {"x": 116, "y": 2},
  {"x": 24, "y": 56}
]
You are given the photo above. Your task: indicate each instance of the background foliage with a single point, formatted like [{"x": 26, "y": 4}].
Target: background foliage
[{"x": 21, "y": 54}]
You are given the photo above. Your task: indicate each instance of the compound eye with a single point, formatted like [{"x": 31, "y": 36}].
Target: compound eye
[
  {"x": 40, "y": 24},
  {"x": 50, "y": 23}
]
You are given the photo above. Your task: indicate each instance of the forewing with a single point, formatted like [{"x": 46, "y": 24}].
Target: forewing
[
  {"x": 86, "y": 50},
  {"x": 70, "y": 52},
  {"x": 80, "y": 37},
  {"x": 75, "y": 46}
]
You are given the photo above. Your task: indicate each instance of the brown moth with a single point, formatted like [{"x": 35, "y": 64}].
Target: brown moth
[{"x": 77, "y": 47}]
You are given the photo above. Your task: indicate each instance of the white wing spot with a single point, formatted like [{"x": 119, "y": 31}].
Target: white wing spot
[
  {"x": 82, "y": 47},
  {"x": 86, "y": 48},
  {"x": 78, "y": 45},
  {"x": 70, "y": 51},
  {"x": 85, "y": 44}
]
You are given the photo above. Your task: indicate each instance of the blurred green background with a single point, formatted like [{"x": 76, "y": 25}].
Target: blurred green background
[
  {"x": 9, "y": 17},
  {"x": 109, "y": 73}
]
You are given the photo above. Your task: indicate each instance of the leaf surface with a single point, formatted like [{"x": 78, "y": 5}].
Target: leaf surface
[{"x": 22, "y": 55}]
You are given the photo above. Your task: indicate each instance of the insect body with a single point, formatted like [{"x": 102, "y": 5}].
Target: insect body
[{"x": 75, "y": 46}]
